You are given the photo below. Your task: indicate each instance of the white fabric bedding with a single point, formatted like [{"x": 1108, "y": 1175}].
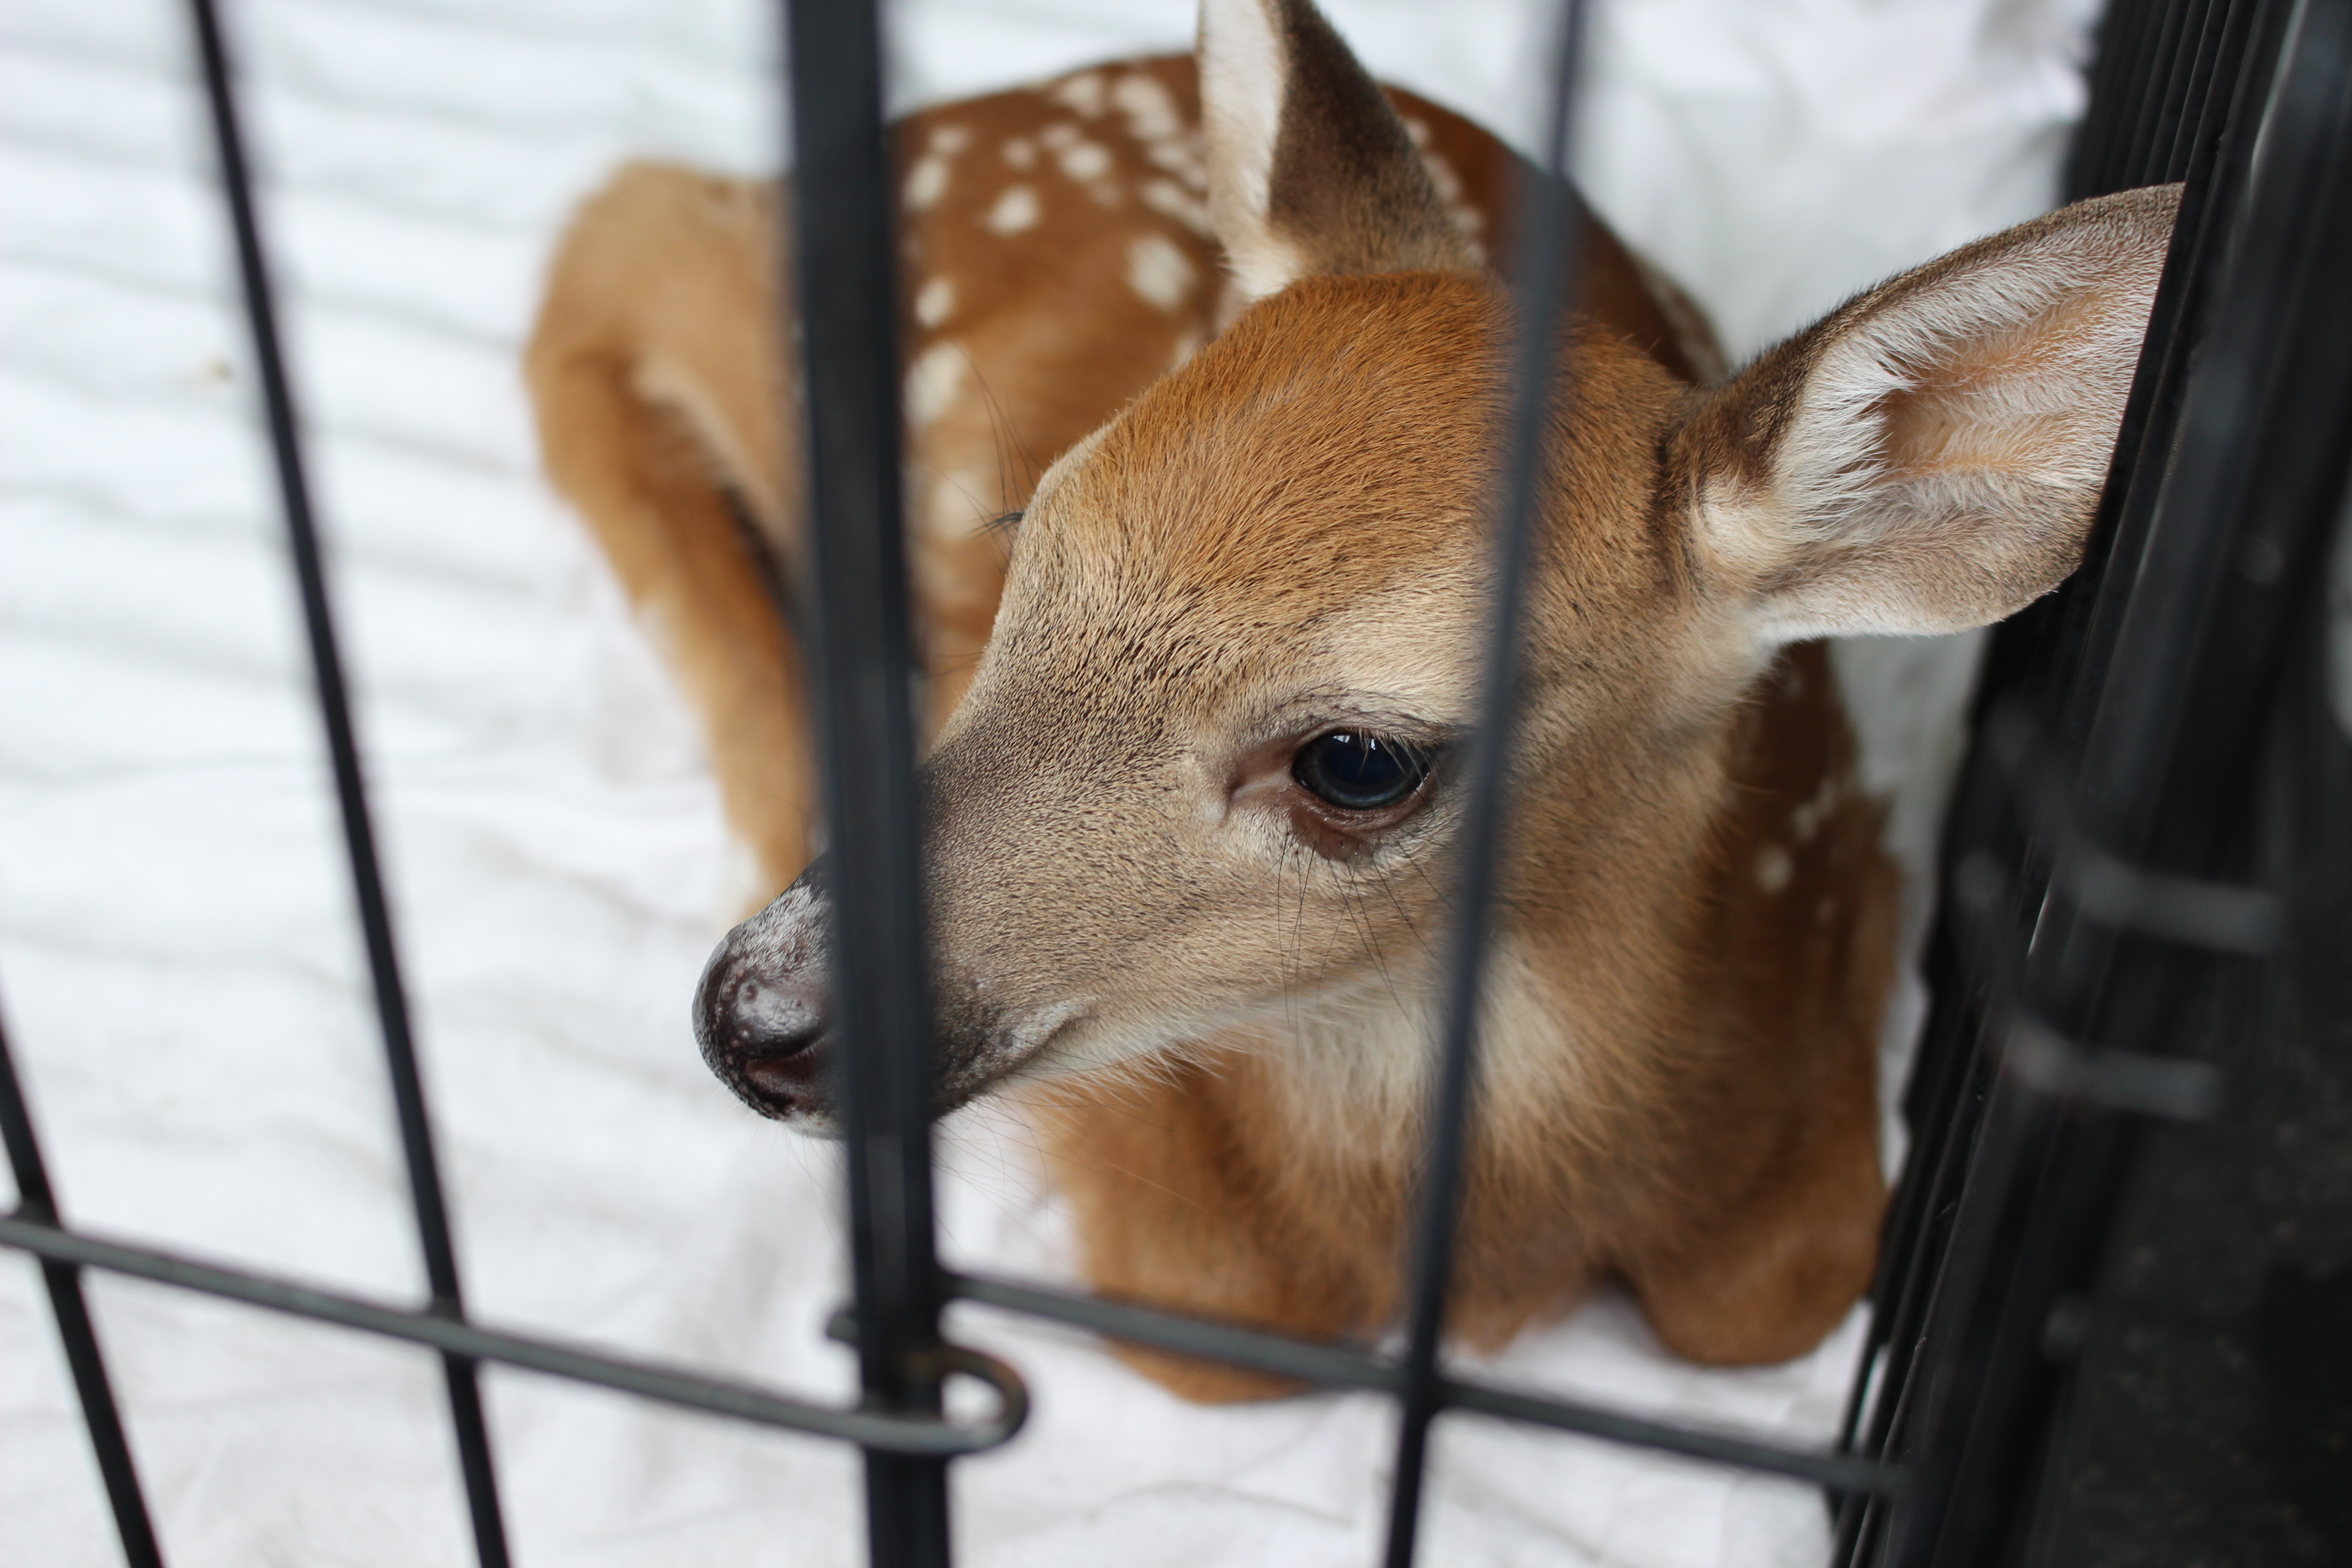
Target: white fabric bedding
[{"x": 178, "y": 972}]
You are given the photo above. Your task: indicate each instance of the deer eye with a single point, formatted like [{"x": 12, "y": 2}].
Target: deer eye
[{"x": 1359, "y": 772}]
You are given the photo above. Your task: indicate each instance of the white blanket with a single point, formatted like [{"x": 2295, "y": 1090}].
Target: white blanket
[{"x": 178, "y": 970}]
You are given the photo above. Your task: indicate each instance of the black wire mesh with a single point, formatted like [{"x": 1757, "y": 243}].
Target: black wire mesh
[{"x": 2231, "y": 458}]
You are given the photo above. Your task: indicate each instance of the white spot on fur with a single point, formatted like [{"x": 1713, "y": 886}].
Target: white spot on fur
[
  {"x": 927, "y": 182},
  {"x": 935, "y": 302},
  {"x": 1150, "y": 109},
  {"x": 1015, "y": 210},
  {"x": 1417, "y": 128},
  {"x": 1188, "y": 343},
  {"x": 1773, "y": 869},
  {"x": 1083, "y": 93},
  {"x": 1185, "y": 159},
  {"x": 1808, "y": 818},
  {"x": 1169, "y": 200},
  {"x": 933, "y": 380},
  {"x": 1083, "y": 161},
  {"x": 1021, "y": 152},
  {"x": 955, "y": 508},
  {"x": 1442, "y": 176},
  {"x": 1158, "y": 271}
]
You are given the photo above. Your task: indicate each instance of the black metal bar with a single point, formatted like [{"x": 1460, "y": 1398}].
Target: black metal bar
[
  {"x": 1543, "y": 283},
  {"x": 359, "y": 836},
  {"x": 2101, "y": 887},
  {"x": 2152, "y": 105},
  {"x": 2245, "y": 366},
  {"x": 2121, "y": 31},
  {"x": 2178, "y": 144},
  {"x": 2082, "y": 161},
  {"x": 870, "y": 1428},
  {"x": 101, "y": 1416},
  {"x": 2138, "y": 49},
  {"x": 1342, "y": 1366},
  {"x": 2066, "y": 644},
  {"x": 848, "y": 348}
]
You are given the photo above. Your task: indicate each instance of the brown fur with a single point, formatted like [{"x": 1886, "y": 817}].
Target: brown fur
[{"x": 1215, "y": 988}]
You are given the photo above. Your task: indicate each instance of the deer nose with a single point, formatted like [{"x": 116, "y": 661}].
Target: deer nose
[{"x": 761, "y": 1024}]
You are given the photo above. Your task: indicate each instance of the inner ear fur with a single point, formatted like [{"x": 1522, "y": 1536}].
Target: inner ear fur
[
  {"x": 1311, "y": 171},
  {"x": 1928, "y": 457}
]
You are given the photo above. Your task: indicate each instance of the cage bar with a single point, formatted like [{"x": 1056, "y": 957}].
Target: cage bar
[
  {"x": 864, "y": 671},
  {"x": 917, "y": 1434},
  {"x": 101, "y": 1418},
  {"x": 427, "y": 1199},
  {"x": 1543, "y": 285}
]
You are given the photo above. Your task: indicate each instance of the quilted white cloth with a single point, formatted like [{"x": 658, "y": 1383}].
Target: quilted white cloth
[{"x": 178, "y": 970}]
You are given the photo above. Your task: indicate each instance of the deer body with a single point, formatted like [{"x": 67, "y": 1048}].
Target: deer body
[{"x": 1186, "y": 802}]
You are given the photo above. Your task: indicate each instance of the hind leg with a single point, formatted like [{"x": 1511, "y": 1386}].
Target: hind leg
[{"x": 661, "y": 417}]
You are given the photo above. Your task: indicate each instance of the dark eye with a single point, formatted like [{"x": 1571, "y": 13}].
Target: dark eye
[{"x": 1357, "y": 772}]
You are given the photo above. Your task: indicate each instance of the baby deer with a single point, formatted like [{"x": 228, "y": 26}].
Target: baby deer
[{"x": 1190, "y": 800}]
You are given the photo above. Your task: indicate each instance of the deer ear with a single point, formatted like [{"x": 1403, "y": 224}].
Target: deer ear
[
  {"x": 1310, "y": 172},
  {"x": 1928, "y": 457}
]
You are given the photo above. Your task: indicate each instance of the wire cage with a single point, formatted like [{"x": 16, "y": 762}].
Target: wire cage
[{"x": 2145, "y": 872}]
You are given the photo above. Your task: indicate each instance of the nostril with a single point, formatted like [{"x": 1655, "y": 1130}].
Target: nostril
[
  {"x": 785, "y": 1076},
  {"x": 759, "y": 1022}
]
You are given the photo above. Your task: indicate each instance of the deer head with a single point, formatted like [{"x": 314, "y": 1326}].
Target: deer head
[{"x": 1203, "y": 781}]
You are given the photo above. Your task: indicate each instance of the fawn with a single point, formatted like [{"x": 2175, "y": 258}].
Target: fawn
[{"x": 1187, "y": 796}]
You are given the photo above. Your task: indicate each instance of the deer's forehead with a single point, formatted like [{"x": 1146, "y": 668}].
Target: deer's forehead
[
  {"x": 1343, "y": 433},
  {"x": 1334, "y": 437},
  {"x": 1114, "y": 637},
  {"x": 1302, "y": 504}
]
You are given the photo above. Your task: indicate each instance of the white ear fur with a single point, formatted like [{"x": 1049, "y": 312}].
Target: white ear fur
[
  {"x": 1242, "y": 67},
  {"x": 1929, "y": 456},
  {"x": 1311, "y": 171}
]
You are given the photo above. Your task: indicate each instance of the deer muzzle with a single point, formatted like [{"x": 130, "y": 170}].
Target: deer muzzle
[{"x": 762, "y": 1012}]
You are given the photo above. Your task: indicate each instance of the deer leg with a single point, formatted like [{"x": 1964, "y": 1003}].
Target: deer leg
[
  {"x": 1783, "y": 1267},
  {"x": 652, "y": 372},
  {"x": 1171, "y": 1212}
]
